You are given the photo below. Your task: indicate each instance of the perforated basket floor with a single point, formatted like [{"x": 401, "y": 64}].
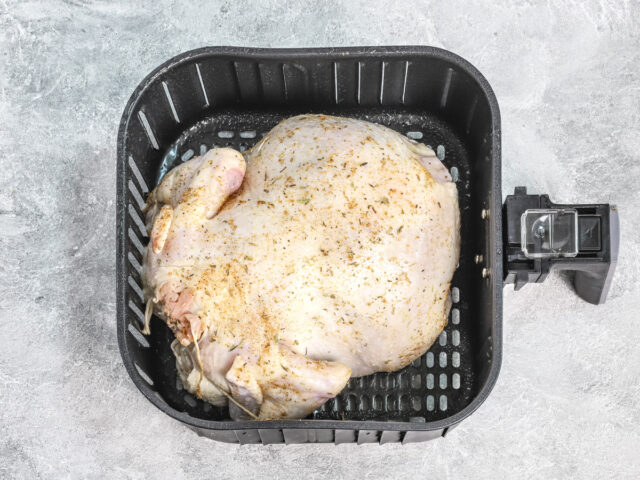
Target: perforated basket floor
[{"x": 424, "y": 396}]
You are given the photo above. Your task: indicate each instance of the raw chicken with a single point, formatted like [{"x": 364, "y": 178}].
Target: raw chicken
[{"x": 333, "y": 258}]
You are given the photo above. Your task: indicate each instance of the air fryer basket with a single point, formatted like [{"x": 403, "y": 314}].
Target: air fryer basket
[{"x": 232, "y": 97}]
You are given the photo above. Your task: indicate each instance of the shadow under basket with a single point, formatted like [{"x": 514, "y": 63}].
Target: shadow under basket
[{"x": 232, "y": 97}]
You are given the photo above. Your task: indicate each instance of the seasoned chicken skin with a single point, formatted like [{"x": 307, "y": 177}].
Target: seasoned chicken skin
[{"x": 327, "y": 251}]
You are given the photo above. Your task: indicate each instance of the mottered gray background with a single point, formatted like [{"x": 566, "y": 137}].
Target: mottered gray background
[{"x": 567, "y": 76}]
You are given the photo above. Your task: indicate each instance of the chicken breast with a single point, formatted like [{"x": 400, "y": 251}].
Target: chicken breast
[{"x": 327, "y": 251}]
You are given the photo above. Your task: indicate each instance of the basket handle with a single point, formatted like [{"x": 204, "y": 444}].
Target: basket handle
[{"x": 541, "y": 236}]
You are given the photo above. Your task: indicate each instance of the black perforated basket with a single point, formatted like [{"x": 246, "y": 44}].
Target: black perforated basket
[{"x": 233, "y": 96}]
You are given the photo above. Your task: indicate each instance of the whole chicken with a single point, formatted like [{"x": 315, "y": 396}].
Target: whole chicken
[{"x": 325, "y": 252}]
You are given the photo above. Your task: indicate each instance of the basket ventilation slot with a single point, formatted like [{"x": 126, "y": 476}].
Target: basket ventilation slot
[
  {"x": 170, "y": 100},
  {"x": 204, "y": 90},
  {"x": 147, "y": 128}
]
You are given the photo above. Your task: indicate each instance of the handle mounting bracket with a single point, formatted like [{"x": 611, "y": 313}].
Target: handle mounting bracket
[{"x": 542, "y": 236}]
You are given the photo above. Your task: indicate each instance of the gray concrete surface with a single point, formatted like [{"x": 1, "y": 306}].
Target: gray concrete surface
[{"x": 567, "y": 76}]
